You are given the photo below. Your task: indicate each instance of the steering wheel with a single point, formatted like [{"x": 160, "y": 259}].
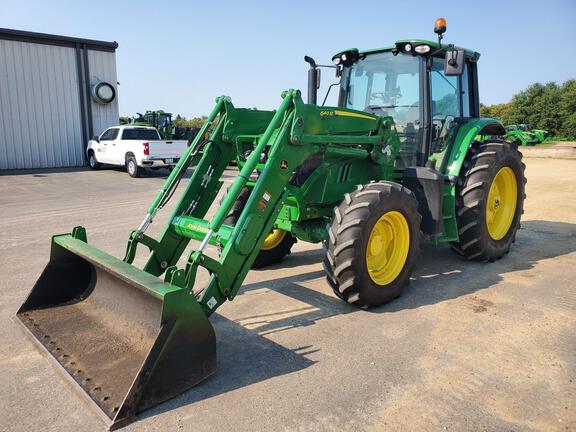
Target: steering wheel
[{"x": 386, "y": 95}]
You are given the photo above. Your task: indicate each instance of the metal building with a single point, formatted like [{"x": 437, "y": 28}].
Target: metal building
[{"x": 55, "y": 93}]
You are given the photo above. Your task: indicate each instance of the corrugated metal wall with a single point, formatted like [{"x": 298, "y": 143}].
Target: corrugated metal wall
[
  {"x": 40, "y": 123},
  {"x": 102, "y": 67}
]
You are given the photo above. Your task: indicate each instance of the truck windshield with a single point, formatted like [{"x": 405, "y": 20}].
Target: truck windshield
[
  {"x": 388, "y": 85},
  {"x": 140, "y": 134}
]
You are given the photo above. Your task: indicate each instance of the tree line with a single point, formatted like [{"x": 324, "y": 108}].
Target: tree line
[
  {"x": 195, "y": 122},
  {"x": 550, "y": 107}
]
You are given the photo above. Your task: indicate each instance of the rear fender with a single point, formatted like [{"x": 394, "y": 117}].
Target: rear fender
[{"x": 468, "y": 133}]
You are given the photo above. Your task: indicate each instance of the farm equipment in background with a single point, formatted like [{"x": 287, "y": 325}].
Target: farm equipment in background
[
  {"x": 523, "y": 134},
  {"x": 162, "y": 121},
  {"x": 368, "y": 178},
  {"x": 542, "y": 135}
]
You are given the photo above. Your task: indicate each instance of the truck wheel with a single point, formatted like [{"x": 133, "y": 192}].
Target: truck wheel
[
  {"x": 93, "y": 162},
  {"x": 372, "y": 244},
  {"x": 277, "y": 244},
  {"x": 489, "y": 200},
  {"x": 132, "y": 167}
]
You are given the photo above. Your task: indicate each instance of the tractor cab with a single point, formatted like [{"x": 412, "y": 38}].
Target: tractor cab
[{"x": 426, "y": 88}]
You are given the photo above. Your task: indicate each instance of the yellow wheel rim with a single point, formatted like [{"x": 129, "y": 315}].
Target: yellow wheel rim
[
  {"x": 501, "y": 203},
  {"x": 387, "y": 247},
  {"x": 274, "y": 239}
]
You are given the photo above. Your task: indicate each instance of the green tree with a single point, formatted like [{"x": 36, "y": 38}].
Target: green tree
[
  {"x": 499, "y": 111},
  {"x": 485, "y": 110},
  {"x": 550, "y": 107},
  {"x": 194, "y": 122},
  {"x": 198, "y": 121}
]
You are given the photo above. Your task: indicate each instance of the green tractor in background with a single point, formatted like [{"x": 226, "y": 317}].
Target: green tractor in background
[
  {"x": 542, "y": 135},
  {"x": 523, "y": 134},
  {"x": 400, "y": 159},
  {"x": 162, "y": 121},
  {"x": 159, "y": 119}
]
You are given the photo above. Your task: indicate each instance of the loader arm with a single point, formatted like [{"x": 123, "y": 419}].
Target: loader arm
[
  {"x": 290, "y": 136},
  {"x": 240, "y": 243}
]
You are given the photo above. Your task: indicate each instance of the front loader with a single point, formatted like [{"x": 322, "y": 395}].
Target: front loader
[{"x": 403, "y": 157}]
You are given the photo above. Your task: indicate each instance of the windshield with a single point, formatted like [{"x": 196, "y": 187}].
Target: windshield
[
  {"x": 388, "y": 85},
  {"x": 140, "y": 134}
]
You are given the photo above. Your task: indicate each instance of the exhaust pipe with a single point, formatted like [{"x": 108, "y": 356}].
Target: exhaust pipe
[{"x": 313, "y": 80}]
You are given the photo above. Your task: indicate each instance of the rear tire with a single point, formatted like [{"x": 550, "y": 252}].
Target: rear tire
[
  {"x": 93, "y": 162},
  {"x": 488, "y": 216},
  {"x": 132, "y": 167},
  {"x": 278, "y": 243},
  {"x": 372, "y": 244}
]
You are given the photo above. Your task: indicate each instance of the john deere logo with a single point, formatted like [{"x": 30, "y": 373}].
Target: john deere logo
[{"x": 284, "y": 164}]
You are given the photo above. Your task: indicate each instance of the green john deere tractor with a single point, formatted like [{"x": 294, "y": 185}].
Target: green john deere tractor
[
  {"x": 162, "y": 121},
  {"x": 159, "y": 119},
  {"x": 400, "y": 159}
]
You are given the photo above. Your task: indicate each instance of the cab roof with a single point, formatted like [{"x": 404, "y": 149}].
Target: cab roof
[{"x": 434, "y": 45}]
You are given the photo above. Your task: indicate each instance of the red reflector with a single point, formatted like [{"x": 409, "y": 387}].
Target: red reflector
[{"x": 146, "y": 148}]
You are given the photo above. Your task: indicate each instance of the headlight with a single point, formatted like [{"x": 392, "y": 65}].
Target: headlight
[
  {"x": 407, "y": 47},
  {"x": 346, "y": 58},
  {"x": 422, "y": 49}
]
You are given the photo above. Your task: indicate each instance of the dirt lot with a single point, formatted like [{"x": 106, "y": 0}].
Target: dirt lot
[{"x": 468, "y": 347}]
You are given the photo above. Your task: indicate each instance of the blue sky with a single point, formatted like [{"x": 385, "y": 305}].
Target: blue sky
[{"x": 179, "y": 56}]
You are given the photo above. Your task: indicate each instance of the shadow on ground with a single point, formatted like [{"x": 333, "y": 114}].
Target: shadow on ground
[
  {"x": 151, "y": 173},
  {"x": 42, "y": 172},
  {"x": 246, "y": 357},
  {"x": 440, "y": 275}
]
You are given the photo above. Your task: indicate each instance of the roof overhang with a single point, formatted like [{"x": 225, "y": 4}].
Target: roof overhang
[{"x": 50, "y": 39}]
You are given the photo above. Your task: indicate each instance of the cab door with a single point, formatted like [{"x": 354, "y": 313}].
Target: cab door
[{"x": 449, "y": 100}]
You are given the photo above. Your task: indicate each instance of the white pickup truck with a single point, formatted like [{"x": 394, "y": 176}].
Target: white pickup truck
[{"x": 135, "y": 147}]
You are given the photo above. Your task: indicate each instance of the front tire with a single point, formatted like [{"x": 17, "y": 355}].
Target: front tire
[
  {"x": 489, "y": 200},
  {"x": 372, "y": 244},
  {"x": 93, "y": 162},
  {"x": 132, "y": 167}
]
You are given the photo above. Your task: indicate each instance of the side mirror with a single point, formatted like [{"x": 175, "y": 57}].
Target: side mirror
[
  {"x": 454, "y": 62},
  {"x": 96, "y": 138}
]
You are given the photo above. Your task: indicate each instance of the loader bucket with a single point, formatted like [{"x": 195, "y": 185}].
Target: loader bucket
[{"x": 125, "y": 338}]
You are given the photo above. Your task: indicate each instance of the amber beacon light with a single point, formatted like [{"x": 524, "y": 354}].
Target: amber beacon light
[{"x": 440, "y": 26}]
